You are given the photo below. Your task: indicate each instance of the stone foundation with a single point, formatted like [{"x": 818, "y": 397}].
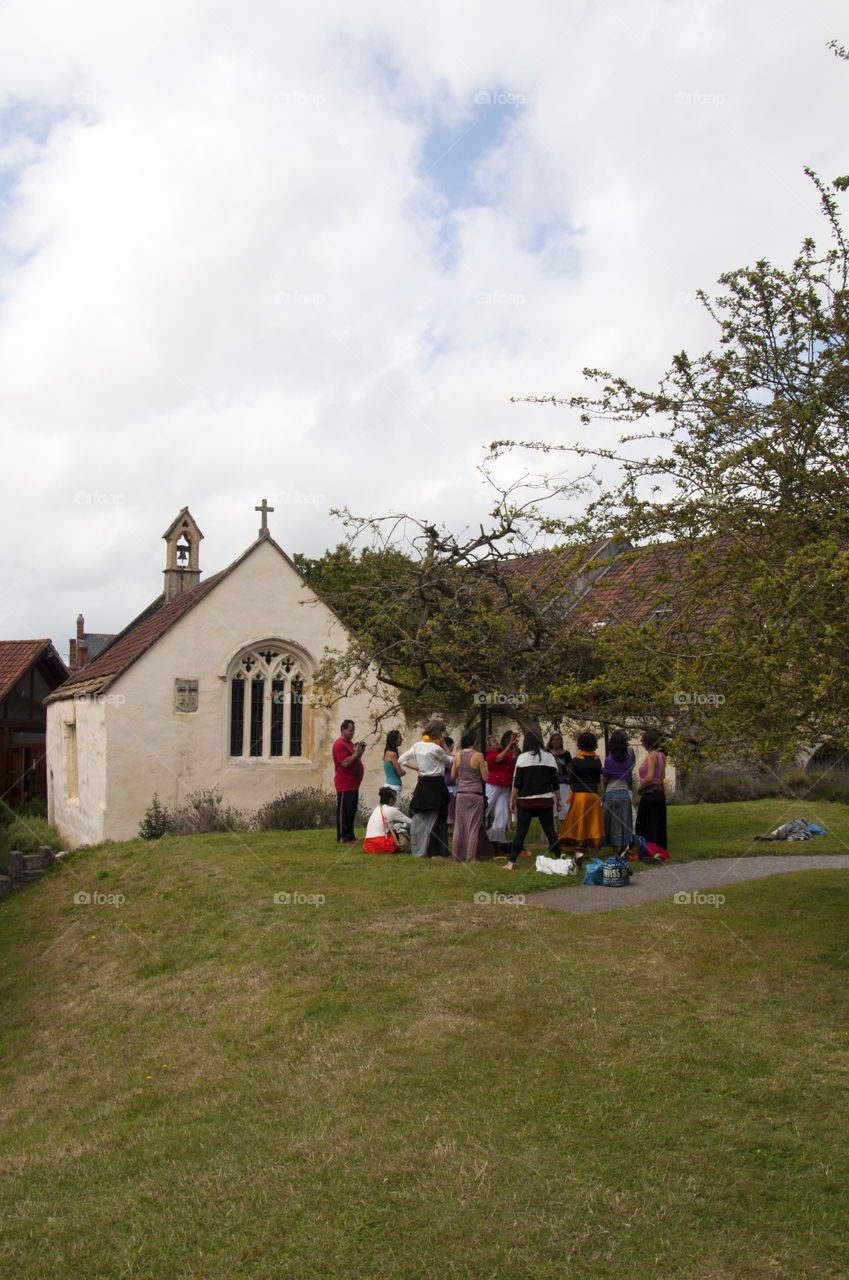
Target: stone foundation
[{"x": 26, "y": 867}]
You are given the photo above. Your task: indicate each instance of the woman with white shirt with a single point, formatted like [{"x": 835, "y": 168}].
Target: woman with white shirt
[
  {"x": 429, "y": 805},
  {"x": 386, "y": 825}
]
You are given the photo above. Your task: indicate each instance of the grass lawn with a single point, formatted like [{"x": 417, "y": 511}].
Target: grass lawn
[
  {"x": 383, "y": 1077},
  {"x": 726, "y": 830}
]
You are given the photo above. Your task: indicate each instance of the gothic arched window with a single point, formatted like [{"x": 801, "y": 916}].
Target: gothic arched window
[{"x": 267, "y": 703}]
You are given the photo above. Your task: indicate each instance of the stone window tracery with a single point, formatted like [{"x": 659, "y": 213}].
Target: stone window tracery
[{"x": 267, "y": 699}]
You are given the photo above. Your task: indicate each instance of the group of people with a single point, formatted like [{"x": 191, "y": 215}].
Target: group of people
[{"x": 483, "y": 793}]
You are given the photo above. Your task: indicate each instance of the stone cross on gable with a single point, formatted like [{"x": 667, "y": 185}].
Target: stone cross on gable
[{"x": 265, "y": 508}]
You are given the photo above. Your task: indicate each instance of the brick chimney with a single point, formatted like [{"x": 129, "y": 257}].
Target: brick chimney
[{"x": 78, "y": 650}]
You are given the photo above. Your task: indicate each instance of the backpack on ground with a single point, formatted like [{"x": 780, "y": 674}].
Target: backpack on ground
[{"x": 616, "y": 873}]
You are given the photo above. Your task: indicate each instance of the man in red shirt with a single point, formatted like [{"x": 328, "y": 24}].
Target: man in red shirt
[{"x": 347, "y": 757}]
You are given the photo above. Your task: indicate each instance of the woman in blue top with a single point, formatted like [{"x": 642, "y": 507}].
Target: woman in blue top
[{"x": 392, "y": 770}]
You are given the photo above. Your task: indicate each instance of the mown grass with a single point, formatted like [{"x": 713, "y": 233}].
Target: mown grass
[
  {"x": 399, "y": 1081},
  {"x": 728, "y": 830}
]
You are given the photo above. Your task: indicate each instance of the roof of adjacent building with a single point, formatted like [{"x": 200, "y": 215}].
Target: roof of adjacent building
[
  {"x": 17, "y": 656},
  {"x": 614, "y": 582},
  {"x": 643, "y": 585},
  {"x": 94, "y": 641},
  {"x": 572, "y": 570}
]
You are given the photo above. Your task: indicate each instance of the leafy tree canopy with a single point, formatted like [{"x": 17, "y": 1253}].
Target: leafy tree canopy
[
  {"x": 732, "y": 469},
  {"x": 451, "y": 622},
  {"x": 740, "y": 457}
]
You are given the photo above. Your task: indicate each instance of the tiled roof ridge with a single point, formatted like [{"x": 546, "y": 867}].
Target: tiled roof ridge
[
  {"x": 39, "y": 643},
  {"x": 17, "y": 656},
  {"x": 137, "y": 637},
  {"x": 114, "y": 638}
]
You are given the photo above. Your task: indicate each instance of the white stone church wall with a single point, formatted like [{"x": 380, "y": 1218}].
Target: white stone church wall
[
  {"x": 154, "y": 748},
  {"x": 77, "y": 790}
]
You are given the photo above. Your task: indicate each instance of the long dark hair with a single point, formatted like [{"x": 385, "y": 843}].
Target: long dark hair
[
  {"x": 532, "y": 743},
  {"x": 392, "y": 740},
  {"x": 619, "y": 745}
]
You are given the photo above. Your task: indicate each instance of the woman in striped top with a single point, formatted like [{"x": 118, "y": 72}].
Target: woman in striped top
[{"x": 534, "y": 794}]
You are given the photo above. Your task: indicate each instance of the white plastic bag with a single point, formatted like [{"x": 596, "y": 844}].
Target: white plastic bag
[{"x": 555, "y": 866}]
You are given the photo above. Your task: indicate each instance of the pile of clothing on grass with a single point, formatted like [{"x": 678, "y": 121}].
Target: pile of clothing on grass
[{"x": 796, "y": 829}]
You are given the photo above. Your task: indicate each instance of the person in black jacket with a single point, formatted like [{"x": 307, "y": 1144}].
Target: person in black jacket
[
  {"x": 583, "y": 825},
  {"x": 534, "y": 794}
]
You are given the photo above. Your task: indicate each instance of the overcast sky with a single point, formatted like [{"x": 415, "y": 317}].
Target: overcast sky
[{"x": 309, "y": 253}]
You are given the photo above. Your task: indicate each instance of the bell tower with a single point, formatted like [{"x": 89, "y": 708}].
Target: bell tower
[{"x": 182, "y": 566}]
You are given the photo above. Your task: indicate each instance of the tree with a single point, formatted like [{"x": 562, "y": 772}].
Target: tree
[
  {"x": 739, "y": 459},
  {"x": 349, "y": 581},
  {"x": 455, "y": 622},
  {"x": 732, "y": 469}
]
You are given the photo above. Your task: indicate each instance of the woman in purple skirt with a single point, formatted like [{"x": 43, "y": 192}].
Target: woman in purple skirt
[{"x": 470, "y": 772}]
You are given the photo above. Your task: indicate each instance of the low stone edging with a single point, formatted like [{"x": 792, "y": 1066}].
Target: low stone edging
[{"x": 26, "y": 867}]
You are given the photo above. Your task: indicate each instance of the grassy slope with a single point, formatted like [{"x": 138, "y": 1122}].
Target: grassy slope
[
  {"x": 726, "y": 830},
  {"x": 401, "y": 1082}
]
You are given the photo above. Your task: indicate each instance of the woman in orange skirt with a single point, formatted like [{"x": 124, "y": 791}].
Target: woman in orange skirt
[{"x": 583, "y": 826}]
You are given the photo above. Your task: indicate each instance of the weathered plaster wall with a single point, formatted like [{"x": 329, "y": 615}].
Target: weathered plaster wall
[
  {"x": 80, "y": 818},
  {"x": 154, "y": 748}
]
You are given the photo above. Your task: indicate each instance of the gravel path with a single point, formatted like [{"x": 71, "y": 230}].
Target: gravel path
[{"x": 651, "y": 884}]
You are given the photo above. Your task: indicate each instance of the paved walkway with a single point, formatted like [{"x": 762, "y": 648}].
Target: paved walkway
[{"x": 651, "y": 884}]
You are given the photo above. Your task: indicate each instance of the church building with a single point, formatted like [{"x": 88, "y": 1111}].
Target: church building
[{"x": 208, "y": 688}]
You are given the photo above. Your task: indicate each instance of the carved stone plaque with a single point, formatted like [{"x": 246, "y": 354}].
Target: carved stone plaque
[{"x": 186, "y": 695}]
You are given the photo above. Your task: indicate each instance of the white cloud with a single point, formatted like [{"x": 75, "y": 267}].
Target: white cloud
[{"x": 227, "y": 274}]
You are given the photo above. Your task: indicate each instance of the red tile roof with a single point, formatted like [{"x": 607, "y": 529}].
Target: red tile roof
[
  {"x": 614, "y": 582},
  {"x": 134, "y": 640},
  {"x": 565, "y": 575},
  {"x": 16, "y": 658},
  {"x": 645, "y": 584}
]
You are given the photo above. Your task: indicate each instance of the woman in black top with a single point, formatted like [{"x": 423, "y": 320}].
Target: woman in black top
[
  {"x": 583, "y": 826},
  {"x": 534, "y": 794}
]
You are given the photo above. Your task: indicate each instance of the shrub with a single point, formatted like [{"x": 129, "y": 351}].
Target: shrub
[
  {"x": 35, "y": 808},
  {"x": 308, "y": 809},
  {"x": 717, "y": 785},
  {"x": 818, "y": 784},
  {"x": 723, "y": 785},
  {"x": 156, "y": 822},
  {"x": 27, "y": 834},
  {"x": 364, "y": 813},
  {"x": 205, "y": 812}
]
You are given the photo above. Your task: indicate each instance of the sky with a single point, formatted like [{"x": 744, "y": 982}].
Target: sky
[{"x": 314, "y": 254}]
